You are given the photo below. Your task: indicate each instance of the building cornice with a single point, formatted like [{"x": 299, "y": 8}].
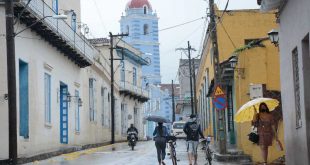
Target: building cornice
[
  {"x": 145, "y": 43},
  {"x": 137, "y": 16}
]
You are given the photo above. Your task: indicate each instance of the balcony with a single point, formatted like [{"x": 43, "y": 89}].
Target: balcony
[
  {"x": 57, "y": 32},
  {"x": 137, "y": 93}
]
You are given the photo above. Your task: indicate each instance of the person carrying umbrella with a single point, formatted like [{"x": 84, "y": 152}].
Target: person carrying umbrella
[
  {"x": 266, "y": 129},
  {"x": 263, "y": 120},
  {"x": 160, "y": 133}
]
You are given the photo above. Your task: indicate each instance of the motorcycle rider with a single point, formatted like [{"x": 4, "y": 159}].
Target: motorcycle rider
[{"x": 131, "y": 129}]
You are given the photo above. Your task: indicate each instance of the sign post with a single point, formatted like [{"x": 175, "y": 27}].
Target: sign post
[{"x": 220, "y": 103}]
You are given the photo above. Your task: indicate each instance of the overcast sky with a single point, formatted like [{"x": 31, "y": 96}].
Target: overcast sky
[{"x": 102, "y": 16}]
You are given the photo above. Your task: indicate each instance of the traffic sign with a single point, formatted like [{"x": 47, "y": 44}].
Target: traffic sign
[
  {"x": 220, "y": 102},
  {"x": 218, "y": 91}
]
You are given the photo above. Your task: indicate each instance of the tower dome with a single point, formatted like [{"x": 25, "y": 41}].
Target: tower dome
[{"x": 138, "y": 4}]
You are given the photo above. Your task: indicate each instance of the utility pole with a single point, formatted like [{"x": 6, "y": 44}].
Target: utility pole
[
  {"x": 190, "y": 75},
  {"x": 173, "y": 104},
  {"x": 220, "y": 114},
  {"x": 188, "y": 50},
  {"x": 194, "y": 79},
  {"x": 112, "y": 85},
  {"x": 11, "y": 78}
]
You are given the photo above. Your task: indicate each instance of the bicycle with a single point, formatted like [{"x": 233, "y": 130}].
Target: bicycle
[
  {"x": 207, "y": 151},
  {"x": 171, "y": 140}
]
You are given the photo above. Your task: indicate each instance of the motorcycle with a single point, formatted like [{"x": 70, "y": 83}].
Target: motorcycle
[{"x": 132, "y": 139}]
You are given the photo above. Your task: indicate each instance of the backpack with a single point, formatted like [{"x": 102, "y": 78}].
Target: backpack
[{"x": 193, "y": 129}]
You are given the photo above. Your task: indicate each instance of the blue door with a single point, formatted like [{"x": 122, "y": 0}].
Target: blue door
[
  {"x": 63, "y": 113},
  {"x": 23, "y": 100}
]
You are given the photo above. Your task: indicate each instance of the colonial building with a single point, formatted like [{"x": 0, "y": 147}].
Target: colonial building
[
  {"x": 167, "y": 100},
  {"x": 243, "y": 41},
  {"x": 184, "y": 103},
  {"x": 63, "y": 84},
  {"x": 140, "y": 21},
  {"x": 130, "y": 95},
  {"x": 295, "y": 75}
]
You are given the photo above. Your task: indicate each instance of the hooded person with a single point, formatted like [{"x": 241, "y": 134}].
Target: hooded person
[
  {"x": 192, "y": 130},
  {"x": 160, "y": 134}
]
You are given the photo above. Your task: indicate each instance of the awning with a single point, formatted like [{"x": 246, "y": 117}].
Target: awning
[
  {"x": 131, "y": 56},
  {"x": 211, "y": 88},
  {"x": 227, "y": 72}
]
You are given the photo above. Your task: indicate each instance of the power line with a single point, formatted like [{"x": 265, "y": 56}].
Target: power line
[
  {"x": 232, "y": 42},
  {"x": 180, "y": 24},
  {"x": 100, "y": 17},
  {"x": 202, "y": 37},
  {"x": 171, "y": 27},
  {"x": 185, "y": 38}
]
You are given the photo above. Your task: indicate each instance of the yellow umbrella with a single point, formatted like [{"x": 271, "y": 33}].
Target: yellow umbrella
[{"x": 246, "y": 112}]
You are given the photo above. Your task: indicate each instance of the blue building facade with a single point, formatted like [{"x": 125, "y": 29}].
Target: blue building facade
[{"x": 141, "y": 23}]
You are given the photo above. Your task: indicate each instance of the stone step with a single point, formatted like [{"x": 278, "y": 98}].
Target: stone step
[
  {"x": 242, "y": 158},
  {"x": 234, "y": 152}
]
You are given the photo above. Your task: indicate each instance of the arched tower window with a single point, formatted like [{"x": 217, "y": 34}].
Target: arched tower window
[
  {"x": 146, "y": 29},
  {"x": 145, "y": 9},
  {"x": 127, "y": 29}
]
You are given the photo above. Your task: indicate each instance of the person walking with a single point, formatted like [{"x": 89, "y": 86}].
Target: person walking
[
  {"x": 192, "y": 130},
  {"x": 160, "y": 133},
  {"x": 265, "y": 128}
]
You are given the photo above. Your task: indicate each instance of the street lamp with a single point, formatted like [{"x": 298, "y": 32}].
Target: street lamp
[
  {"x": 233, "y": 64},
  {"x": 79, "y": 100},
  {"x": 274, "y": 37}
]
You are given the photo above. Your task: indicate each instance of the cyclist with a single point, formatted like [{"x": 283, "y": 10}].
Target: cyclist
[{"x": 192, "y": 130}]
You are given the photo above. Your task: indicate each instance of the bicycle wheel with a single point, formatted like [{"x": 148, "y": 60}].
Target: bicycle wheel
[
  {"x": 209, "y": 156},
  {"x": 174, "y": 158},
  {"x": 173, "y": 154}
]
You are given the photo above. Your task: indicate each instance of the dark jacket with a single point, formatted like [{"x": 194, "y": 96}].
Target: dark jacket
[
  {"x": 132, "y": 129},
  {"x": 164, "y": 133},
  {"x": 192, "y": 130}
]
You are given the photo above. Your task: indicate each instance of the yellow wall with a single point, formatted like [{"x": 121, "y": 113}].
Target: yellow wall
[{"x": 262, "y": 65}]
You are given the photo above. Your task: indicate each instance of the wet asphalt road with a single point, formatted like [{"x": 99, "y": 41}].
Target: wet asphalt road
[{"x": 144, "y": 154}]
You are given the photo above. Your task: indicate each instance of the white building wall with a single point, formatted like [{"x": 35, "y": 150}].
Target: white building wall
[
  {"x": 4, "y": 143},
  {"x": 292, "y": 32},
  {"x": 44, "y": 137}
]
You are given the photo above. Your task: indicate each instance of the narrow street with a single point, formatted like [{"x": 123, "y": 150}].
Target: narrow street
[{"x": 144, "y": 154}]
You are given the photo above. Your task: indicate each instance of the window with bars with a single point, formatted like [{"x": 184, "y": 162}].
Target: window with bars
[
  {"x": 77, "y": 111},
  {"x": 103, "y": 91},
  {"x": 134, "y": 75},
  {"x": 122, "y": 71},
  {"x": 92, "y": 99},
  {"x": 296, "y": 87},
  {"x": 47, "y": 97},
  {"x": 55, "y": 6}
]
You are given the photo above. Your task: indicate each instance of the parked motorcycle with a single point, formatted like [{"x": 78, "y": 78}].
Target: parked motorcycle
[{"x": 132, "y": 140}]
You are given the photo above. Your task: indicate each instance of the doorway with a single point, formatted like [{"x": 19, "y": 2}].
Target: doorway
[
  {"x": 63, "y": 113},
  {"x": 23, "y": 100}
]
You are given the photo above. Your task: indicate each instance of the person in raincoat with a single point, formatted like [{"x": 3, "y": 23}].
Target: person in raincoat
[
  {"x": 264, "y": 121},
  {"x": 160, "y": 133}
]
